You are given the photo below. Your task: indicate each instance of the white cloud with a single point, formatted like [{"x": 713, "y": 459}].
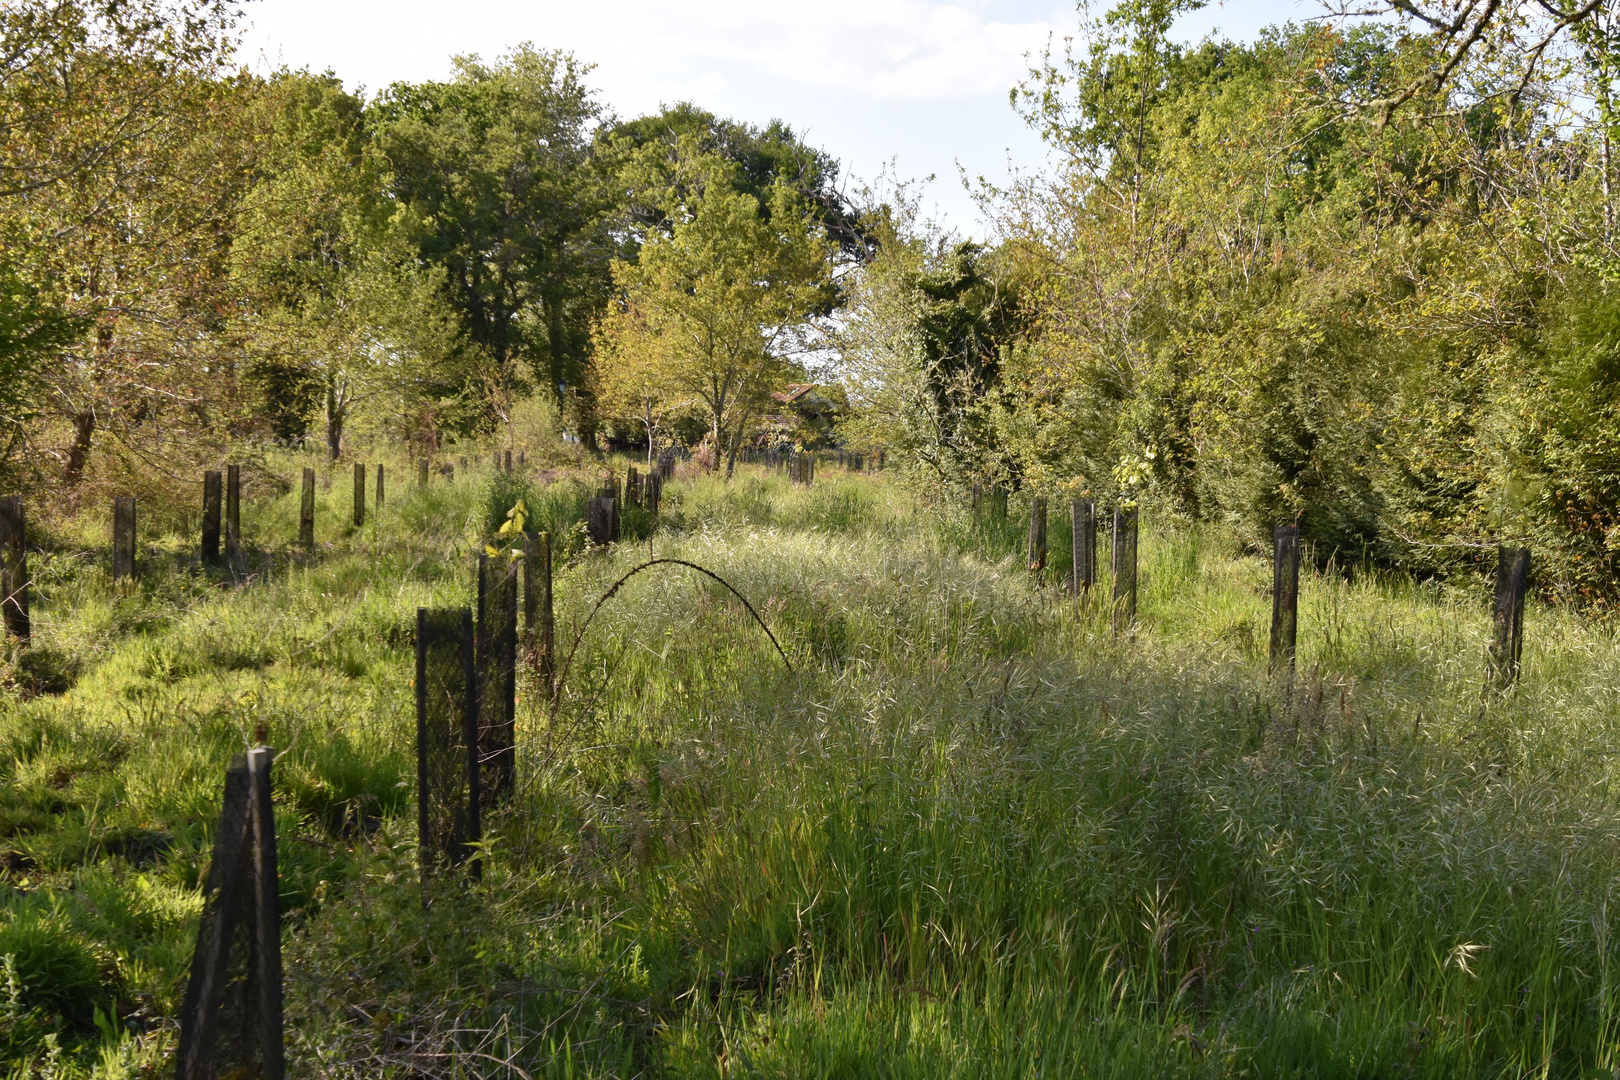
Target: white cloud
[{"x": 886, "y": 49}]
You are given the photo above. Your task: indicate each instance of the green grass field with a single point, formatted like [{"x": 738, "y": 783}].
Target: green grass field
[{"x": 970, "y": 834}]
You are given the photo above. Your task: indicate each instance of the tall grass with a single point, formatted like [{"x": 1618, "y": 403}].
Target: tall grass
[{"x": 971, "y": 833}]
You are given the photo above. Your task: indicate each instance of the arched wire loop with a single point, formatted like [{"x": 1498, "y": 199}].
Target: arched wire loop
[{"x": 562, "y": 676}]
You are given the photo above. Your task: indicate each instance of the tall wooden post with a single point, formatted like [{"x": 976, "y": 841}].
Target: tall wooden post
[
  {"x": 1512, "y": 585},
  {"x": 233, "y": 510},
  {"x": 496, "y": 643},
  {"x": 379, "y": 497},
  {"x": 211, "y": 515},
  {"x": 1124, "y": 559},
  {"x": 13, "y": 569},
  {"x": 231, "y": 1018},
  {"x": 448, "y": 777},
  {"x": 538, "y": 619},
  {"x": 359, "y": 495},
  {"x": 1083, "y": 515},
  {"x": 123, "y": 544},
  {"x": 306, "y": 511},
  {"x": 1037, "y": 534},
  {"x": 1284, "y": 596}
]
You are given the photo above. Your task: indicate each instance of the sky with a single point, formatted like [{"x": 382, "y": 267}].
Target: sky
[{"x": 893, "y": 89}]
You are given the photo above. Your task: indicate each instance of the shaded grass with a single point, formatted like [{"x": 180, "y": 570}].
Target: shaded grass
[{"x": 972, "y": 834}]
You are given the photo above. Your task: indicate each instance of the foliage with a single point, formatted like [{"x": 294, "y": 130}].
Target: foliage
[
  {"x": 973, "y": 833},
  {"x": 714, "y": 307},
  {"x": 492, "y": 174}
]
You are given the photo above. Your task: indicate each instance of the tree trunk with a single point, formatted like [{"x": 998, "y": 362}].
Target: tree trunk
[
  {"x": 84, "y": 426},
  {"x": 334, "y": 423},
  {"x": 736, "y": 443},
  {"x": 554, "y": 345}
]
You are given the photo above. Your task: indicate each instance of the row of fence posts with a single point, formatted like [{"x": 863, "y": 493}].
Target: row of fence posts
[
  {"x": 799, "y": 463},
  {"x": 1083, "y": 521},
  {"x": 1512, "y": 579},
  {"x": 1507, "y": 608},
  {"x": 604, "y": 513}
]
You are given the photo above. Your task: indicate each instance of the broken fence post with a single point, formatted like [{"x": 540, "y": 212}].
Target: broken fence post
[
  {"x": 496, "y": 643},
  {"x": 448, "y": 778},
  {"x": 1083, "y": 516},
  {"x": 359, "y": 494},
  {"x": 1037, "y": 534},
  {"x": 1124, "y": 559},
  {"x": 1284, "y": 596},
  {"x": 1512, "y": 585},
  {"x": 379, "y": 497},
  {"x": 231, "y": 1020},
  {"x": 306, "y": 511},
  {"x": 211, "y": 515},
  {"x": 599, "y": 520},
  {"x": 13, "y": 569},
  {"x": 123, "y": 538}
]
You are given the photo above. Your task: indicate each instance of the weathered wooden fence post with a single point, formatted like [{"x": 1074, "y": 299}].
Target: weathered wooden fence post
[
  {"x": 508, "y": 462},
  {"x": 1124, "y": 559},
  {"x": 599, "y": 515},
  {"x": 448, "y": 778},
  {"x": 306, "y": 511},
  {"x": 1284, "y": 596},
  {"x": 523, "y": 459},
  {"x": 539, "y": 620},
  {"x": 978, "y": 497},
  {"x": 231, "y": 1019},
  {"x": 123, "y": 539},
  {"x": 655, "y": 492},
  {"x": 211, "y": 515},
  {"x": 1037, "y": 534},
  {"x": 379, "y": 498},
  {"x": 1512, "y": 585},
  {"x": 632, "y": 493},
  {"x": 421, "y": 472},
  {"x": 14, "y": 569},
  {"x": 359, "y": 494},
  {"x": 1083, "y": 516},
  {"x": 233, "y": 510},
  {"x": 497, "y": 675}
]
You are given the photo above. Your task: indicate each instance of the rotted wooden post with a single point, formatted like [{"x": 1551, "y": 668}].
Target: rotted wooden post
[
  {"x": 1083, "y": 515},
  {"x": 1284, "y": 596},
  {"x": 379, "y": 498},
  {"x": 14, "y": 569},
  {"x": 233, "y": 510},
  {"x": 508, "y": 461},
  {"x": 1512, "y": 586},
  {"x": 306, "y": 511},
  {"x": 123, "y": 542},
  {"x": 359, "y": 495},
  {"x": 1037, "y": 534}
]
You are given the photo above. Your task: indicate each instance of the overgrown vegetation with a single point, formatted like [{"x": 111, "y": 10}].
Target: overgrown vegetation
[{"x": 971, "y": 834}]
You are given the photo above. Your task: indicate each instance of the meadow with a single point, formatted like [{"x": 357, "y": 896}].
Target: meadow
[{"x": 969, "y": 832}]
